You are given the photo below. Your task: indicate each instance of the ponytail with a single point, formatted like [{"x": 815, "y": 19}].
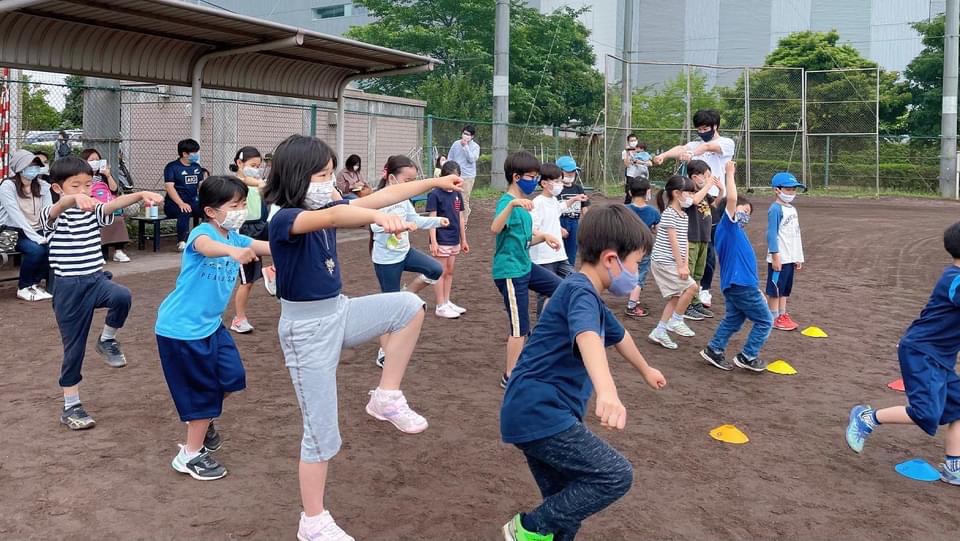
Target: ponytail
[
  {"x": 393, "y": 166},
  {"x": 244, "y": 154},
  {"x": 676, "y": 182}
]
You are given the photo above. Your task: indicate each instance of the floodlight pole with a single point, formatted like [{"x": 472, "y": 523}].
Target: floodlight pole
[
  {"x": 501, "y": 93},
  {"x": 948, "y": 119}
]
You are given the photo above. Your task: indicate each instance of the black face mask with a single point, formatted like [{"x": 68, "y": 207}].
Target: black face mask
[{"x": 707, "y": 135}]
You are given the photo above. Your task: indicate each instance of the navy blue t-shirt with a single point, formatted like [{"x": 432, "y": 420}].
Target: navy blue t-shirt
[
  {"x": 307, "y": 266},
  {"x": 738, "y": 263},
  {"x": 447, "y": 205},
  {"x": 186, "y": 179},
  {"x": 549, "y": 388},
  {"x": 937, "y": 331},
  {"x": 647, "y": 214}
]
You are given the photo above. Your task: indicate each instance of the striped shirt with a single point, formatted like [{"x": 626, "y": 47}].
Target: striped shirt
[
  {"x": 75, "y": 240},
  {"x": 670, "y": 219}
]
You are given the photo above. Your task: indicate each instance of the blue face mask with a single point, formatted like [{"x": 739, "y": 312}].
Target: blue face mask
[
  {"x": 622, "y": 284},
  {"x": 31, "y": 172},
  {"x": 528, "y": 185},
  {"x": 194, "y": 157},
  {"x": 743, "y": 218}
]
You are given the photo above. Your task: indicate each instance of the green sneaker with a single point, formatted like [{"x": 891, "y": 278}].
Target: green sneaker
[{"x": 514, "y": 531}]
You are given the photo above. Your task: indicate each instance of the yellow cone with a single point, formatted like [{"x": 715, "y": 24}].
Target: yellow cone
[
  {"x": 814, "y": 332},
  {"x": 729, "y": 434},
  {"x": 781, "y": 367}
]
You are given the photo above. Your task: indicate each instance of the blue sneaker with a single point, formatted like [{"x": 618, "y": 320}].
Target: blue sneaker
[
  {"x": 857, "y": 429},
  {"x": 949, "y": 476}
]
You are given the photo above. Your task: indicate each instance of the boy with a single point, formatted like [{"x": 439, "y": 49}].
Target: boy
[
  {"x": 638, "y": 189},
  {"x": 578, "y": 473},
  {"x": 739, "y": 284},
  {"x": 636, "y": 163},
  {"x": 711, "y": 148},
  {"x": 700, "y": 230},
  {"x": 570, "y": 219},
  {"x": 928, "y": 362},
  {"x": 513, "y": 272},
  {"x": 181, "y": 180},
  {"x": 73, "y": 226},
  {"x": 784, "y": 248}
]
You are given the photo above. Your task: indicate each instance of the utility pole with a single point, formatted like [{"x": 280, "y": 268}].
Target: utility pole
[
  {"x": 626, "y": 103},
  {"x": 501, "y": 93},
  {"x": 948, "y": 121}
]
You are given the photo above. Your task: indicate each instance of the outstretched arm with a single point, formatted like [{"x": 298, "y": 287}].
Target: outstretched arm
[
  {"x": 400, "y": 192},
  {"x": 347, "y": 216},
  {"x": 730, "y": 174}
]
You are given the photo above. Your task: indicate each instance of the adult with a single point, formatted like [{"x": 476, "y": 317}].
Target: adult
[
  {"x": 465, "y": 151},
  {"x": 44, "y": 157},
  {"x": 350, "y": 179},
  {"x": 106, "y": 189},
  {"x": 181, "y": 180},
  {"x": 61, "y": 148},
  {"x": 636, "y": 161},
  {"x": 22, "y": 196},
  {"x": 711, "y": 148},
  {"x": 248, "y": 166}
]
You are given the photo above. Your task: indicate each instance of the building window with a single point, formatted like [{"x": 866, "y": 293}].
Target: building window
[{"x": 332, "y": 12}]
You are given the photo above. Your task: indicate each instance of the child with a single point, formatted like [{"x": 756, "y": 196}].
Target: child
[
  {"x": 578, "y": 473},
  {"x": 73, "y": 226},
  {"x": 636, "y": 163},
  {"x": 105, "y": 189},
  {"x": 181, "y": 179},
  {"x": 447, "y": 242},
  {"x": 248, "y": 167},
  {"x": 317, "y": 320},
  {"x": 199, "y": 358},
  {"x": 546, "y": 219},
  {"x": 784, "y": 248},
  {"x": 701, "y": 224},
  {"x": 928, "y": 359},
  {"x": 669, "y": 262},
  {"x": 570, "y": 219},
  {"x": 638, "y": 190},
  {"x": 513, "y": 272},
  {"x": 739, "y": 284}
]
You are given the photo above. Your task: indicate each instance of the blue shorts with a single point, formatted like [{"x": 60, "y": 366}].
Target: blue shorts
[
  {"x": 199, "y": 373},
  {"x": 784, "y": 284},
  {"x": 933, "y": 391},
  {"x": 642, "y": 270},
  {"x": 516, "y": 296},
  {"x": 389, "y": 275}
]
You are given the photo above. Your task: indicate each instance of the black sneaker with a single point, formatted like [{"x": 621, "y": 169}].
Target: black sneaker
[
  {"x": 636, "y": 312},
  {"x": 692, "y": 314},
  {"x": 503, "y": 381},
  {"x": 76, "y": 418},
  {"x": 715, "y": 358},
  {"x": 110, "y": 349},
  {"x": 755, "y": 365},
  {"x": 702, "y": 310},
  {"x": 212, "y": 441},
  {"x": 202, "y": 468}
]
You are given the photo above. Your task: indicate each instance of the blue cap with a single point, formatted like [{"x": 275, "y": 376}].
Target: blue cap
[
  {"x": 785, "y": 179},
  {"x": 567, "y": 164}
]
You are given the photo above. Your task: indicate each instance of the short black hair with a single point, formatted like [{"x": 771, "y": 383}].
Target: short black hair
[
  {"x": 243, "y": 155},
  {"x": 295, "y": 160},
  {"x": 450, "y": 167},
  {"x": 187, "y": 145},
  {"x": 706, "y": 117},
  {"x": 697, "y": 167},
  {"x": 614, "y": 227},
  {"x": 674, "y": 183},
  {"x": 638, "y": 186},
  {"x": 352, "y": 160},
  {"x": 519, "y": 163},
  {"x": 219, "y": 190},
  {"x": 632, "y": 136},
  {"x": 67, "y": 167},
  {"x": 741, "y": 200},
  {"x": 41, "y": 153},
  {"x": 550, "y": 171},
  {"x": 469, "y": 128},
  {"x": 641, "y": 145},
  {"x": 951, "y": 240}
]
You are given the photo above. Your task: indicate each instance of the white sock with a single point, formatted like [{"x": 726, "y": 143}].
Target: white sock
[
  {"x": 70, "y": 400},
  {"x": 109, "y": 333},
  {"x": 187, "y": 455}
]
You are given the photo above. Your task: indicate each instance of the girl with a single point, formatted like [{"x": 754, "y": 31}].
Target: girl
[
  {"x": 22, "y": 196},
  {"x": 438, "y": 166},
  {"x": 448, "y": 241},
  {"x": 105, "y": 189},
  {"x": 350, "y": 181},
  {"x": 317, "y": 321},
  {"x": 199, "y": 358},
  {"x": 669, "y": 260}
]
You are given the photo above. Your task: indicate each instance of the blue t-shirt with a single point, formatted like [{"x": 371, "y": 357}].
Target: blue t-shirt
[
  {"x": 307, "y": 266},
  {"x": 186, "y": 179},
  {"x": 937, "y": 331},
  {"x": 549, "y": 388},
  {"x": 738, "y": 263},
  {"x": 647, "y": 214},
  {"x": 447, "y": 205},
  {"x": 194, "y": 309}
]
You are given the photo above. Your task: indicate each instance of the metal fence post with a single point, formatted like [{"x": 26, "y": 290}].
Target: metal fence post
[
  {"x": 876, "y": 132},
  {"x": 313, "y": 121},
  {"x": 826, "y": 164},
  {"x": 746, "y": 122},
  {"x": 556, "y": 142},
  {"x": 803, "y": 126},
  {"x": 686, "y": 119},
  {"x": 428, "y": 154}
]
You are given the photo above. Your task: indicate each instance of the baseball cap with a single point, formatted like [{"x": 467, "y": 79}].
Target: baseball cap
[
  {"x": 567, "y": 164},
  {"x": 785, "y": 179}
]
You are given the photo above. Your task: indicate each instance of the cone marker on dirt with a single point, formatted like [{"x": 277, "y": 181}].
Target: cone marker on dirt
[
  {"x": 781, "y": 367},
  {"x": 814, "y": 332},
  {"x": 729, "y": 434},
  {"x": 897, "y": 385},
  {"x": 918, "y": 469}
]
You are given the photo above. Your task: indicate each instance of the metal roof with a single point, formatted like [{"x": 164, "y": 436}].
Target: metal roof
[{"x": 161, "y": 41}]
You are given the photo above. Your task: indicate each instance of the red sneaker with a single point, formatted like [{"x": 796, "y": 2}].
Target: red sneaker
[
  {"x": 782, "y": 324},
  {"x": 793, "y": 324}
]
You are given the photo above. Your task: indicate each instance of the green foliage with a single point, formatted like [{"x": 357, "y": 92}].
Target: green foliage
[
  {"x": 925, "y": 79},
  {"x": 661, "y": 112},
  {"x": 73, "y": 111},
  {"x": 38, "y": 114}
]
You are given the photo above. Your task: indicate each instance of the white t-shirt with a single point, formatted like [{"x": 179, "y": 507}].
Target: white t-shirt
[
  {"x": 546, "y": 219},
  {"x": 634, "y": 170},
  {"x": 717, "y": 162},
  {"x": 788, "y": 236}
]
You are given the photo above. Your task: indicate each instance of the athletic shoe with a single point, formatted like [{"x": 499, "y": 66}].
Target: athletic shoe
[
  {"x": 514, "y": 531},
  {"x": 455, "y": 308},
  {"x": 392, "y": 406},
  {"x": 746, "y": 363},
  {"x": 181, "y": 246},
  {"x": 446, "y": 312},
  {"x": 381, "y": 357},
  {"x": 705, "y": 297},
  {"x": 857, "y": 428},
  {"x": 43, "y": 294},
  {"x": 29, "y": 294},
  {"x": 680, "y": 328},
  {"x": 503, "y": 381},
  {"x": 76, "y": 418},
  {"x": 692, "y": 314},
  {"x": 702, "y": 310},
  {"x": 203, "y": 467},
  {"x": 636, "y": 311},
  {"x": 715, "y": 358},
  {"x": 949, "y": 476},
  {"x": 241, "y": 326},
  {"x": 784, "y": 323},
  {"x": 110, "y": 349},
  {"x": 121, "y": 257},
  {"x": 212, "y": 440},
  {"x": 323, "y": 528},
  {"x": 660, "y": 336},
  {"x": 270, "y": 282},
  {"x": 790, "y": 321}
]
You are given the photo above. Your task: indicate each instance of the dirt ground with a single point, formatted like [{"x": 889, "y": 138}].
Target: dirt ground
[{"x": 871, "y": 265}]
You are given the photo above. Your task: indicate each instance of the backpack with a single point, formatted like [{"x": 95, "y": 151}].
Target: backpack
[{"x": 100, "y": 190}]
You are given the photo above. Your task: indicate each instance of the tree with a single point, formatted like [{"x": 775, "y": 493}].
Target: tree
[
  {"x": 552, "y": 78},
  {"x": 73, "y": 111},
  {"x": 924, "y": 76},
  {"x": 37, "y": 112},
  {"x": 661, "y": 113}
]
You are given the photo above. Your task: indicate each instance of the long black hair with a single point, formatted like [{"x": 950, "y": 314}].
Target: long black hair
[
  {"x": 352, "y": 160},
  {"x": 34, "y": 184},
  {"x": 674, "y": 183},
  {"x": 244, "y": 154},
  {"x": 295, "y": 160},
  {"x": 393, "y": 166}
]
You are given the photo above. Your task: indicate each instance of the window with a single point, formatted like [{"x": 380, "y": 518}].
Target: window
[{"x": 331, "y": 12}]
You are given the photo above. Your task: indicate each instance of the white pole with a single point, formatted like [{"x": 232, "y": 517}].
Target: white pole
[{"x": 948, "y": 119}]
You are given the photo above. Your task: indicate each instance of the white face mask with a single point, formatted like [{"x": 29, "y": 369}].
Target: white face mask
[
  {"x": 556, "y": 188},
  {"x": 356, "y": 167},
  {"x": 467, "y": 137},
  {"x": 787, "y": 197},
  {"x": 94, "y": 164},
  {"x": 686, "y": 202},
  {"x": 713, "y": 191},
  {"x": 318, "y": 194},
  {"x": 234, "y": 219},
  {"x": 253, "y": 172},
  {"x": 568, "y": 181},
  {"x": 632, "y": 144}
]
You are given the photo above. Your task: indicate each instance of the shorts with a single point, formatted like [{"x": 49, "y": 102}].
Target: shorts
[
  {"x": 669, "y": 281},
  {"x": 200, "y": 373},
  {"x": 251, "y": 272},
  {"x": 516, "y": 296},
  {"x": 784, "y": 285},
  {"x": 697, "y": 259},
  {"x": 448, "y": 251},
  {"x": 312, "y": 334},
  {"x": 389, "y": 274},
  {"x": 933, "y": 391},
  {"x": 642, "y": 270}
]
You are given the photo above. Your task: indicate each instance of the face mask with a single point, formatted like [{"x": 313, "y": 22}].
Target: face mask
[
  {"x": 467, "y": 137},
  {"x": 318, "y": 195},
  {"x": 234, "y": 219},
  {"x": 194, "y": 157},
  {"x": 556, "y": 188},
  {"x": 707, "y": 135},
  {"x": 96, "y": 165},
  {"x": 31, "y": 172},
  {"x": 356, "y": 167},
  {"x": 632, "y": 144},
  {"x": 787, "y": 198},
  {"x": 713, "y": 191},
  {"x": 686, "y": 202},
  {"x": 622, "y": 284},
  {"x": 527, "y": 185},
  {"x": 742, "y": 218},
  {"x": 568, "y": 181},
  {"x": 253, "y": 172}
]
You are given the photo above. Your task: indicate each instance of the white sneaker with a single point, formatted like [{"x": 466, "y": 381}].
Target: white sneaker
[
  {"x": 680, "y": 328},
  {"x": 381, "y": 357},
  {"x": 42, "y": 294},
  {"x": 270, "y": 282},
  {"x": 241, "y": 326},
  {"x": 320, "y": 528},
  {"x": 660, "y": 336},
  {"x": 455, "y": 308},
  {"x": 121, "y": 257},
  {"x": 705, "y": 297},
  {"x": 31, "y": 294},
  {"x": 392, "y": 406},
  {"x": 181, "y": 246},
  {"x": 446, "y": 311}
]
